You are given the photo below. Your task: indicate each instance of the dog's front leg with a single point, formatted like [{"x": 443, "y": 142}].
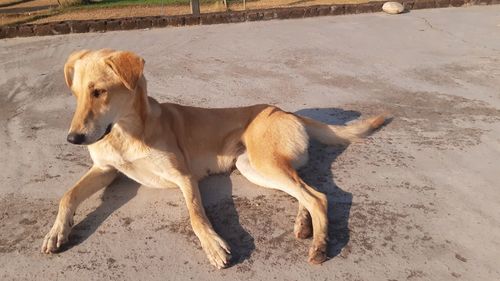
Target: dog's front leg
[
  {"x": 95, "y": 179},
  {"x": 217, "y": 250}
]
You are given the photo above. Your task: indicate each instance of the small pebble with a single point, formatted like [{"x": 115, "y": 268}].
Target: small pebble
[{"x": 393, "y": 8}]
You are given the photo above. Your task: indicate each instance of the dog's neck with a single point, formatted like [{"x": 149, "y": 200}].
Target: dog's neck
[{"x": 135, "y": 122}]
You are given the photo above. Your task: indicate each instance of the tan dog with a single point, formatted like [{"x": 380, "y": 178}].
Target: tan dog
[{"x": 166, "y": 145}]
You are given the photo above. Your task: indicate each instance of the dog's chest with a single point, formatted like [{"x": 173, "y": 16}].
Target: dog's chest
[{"x": 148, "y": 167}]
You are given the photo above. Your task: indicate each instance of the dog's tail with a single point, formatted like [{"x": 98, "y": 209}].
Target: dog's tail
[{"x": 343, "y": 134}]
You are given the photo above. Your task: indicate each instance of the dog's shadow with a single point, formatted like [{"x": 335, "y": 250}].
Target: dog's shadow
[
  {"x": 318, "y": 173},
  {"x": 217, "y": 193}
]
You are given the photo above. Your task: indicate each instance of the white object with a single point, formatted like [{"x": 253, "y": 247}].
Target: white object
[{"x": 392, "y": 8}]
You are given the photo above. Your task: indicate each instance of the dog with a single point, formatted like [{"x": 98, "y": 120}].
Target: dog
[{"x": 165, "y": 145}]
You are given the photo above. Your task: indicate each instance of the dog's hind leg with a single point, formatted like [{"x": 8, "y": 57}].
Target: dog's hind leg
[
  {"x": 283, "y": 177},
  {"x": 277, "y": 144},
  {"x": 303, "y": 225}
]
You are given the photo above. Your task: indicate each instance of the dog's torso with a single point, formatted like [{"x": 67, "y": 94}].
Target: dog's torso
[{"x": 176, "y": 140}]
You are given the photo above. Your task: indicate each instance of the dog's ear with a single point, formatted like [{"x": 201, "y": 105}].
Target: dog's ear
[
  {"x": 69, "y": 66},
  {"x": 127, "y": 66}
]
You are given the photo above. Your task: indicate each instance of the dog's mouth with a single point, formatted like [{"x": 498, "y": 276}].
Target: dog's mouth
[{"x": 108, "y": 130}]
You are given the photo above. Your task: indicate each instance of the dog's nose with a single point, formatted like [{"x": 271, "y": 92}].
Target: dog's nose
[{"x": 76, "y": 138}]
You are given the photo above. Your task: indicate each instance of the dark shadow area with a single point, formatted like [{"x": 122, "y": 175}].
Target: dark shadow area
[
  {"x": 217, "y": 196},
  {"x": 115, "y": 195},
  {"x": 318, "y": 173}
]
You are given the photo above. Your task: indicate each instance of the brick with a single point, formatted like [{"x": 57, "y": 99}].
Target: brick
[
  {"x": 282, "y": 13},
  {"x": 192, "y": 20},
  {"x": 255, "y": 15},
  {"x": 144, "y": 23},
  {"x": 176, "y": 21},
  {"x": 97, "y": 26},
  {"x": 3, "y": 32},
  {"x": 376, "y": 6},
  {"x": 408, "y": 4},
  {"x": 9, "y": 31},
  {"x": 236, "y": 17},
  {"x": 159, "y": 22},
  {"x": 296, "y": 13},
  {"x": 311, "y": 11},
  {"x": 128, "y": 24},
  {"x": 78, "y": 26},
  {"x": 43, "y": 29},
  {"x": 113, "y": 24},
  {"x": 349, "y": 9},
  {"x": 223, "y": 18},
  {"x": 207, "y": 19},
  {"x": 337, "y": 10},
  {"x": 424, "y": 4},
  {"x": 482, "y": 2},
  {"x": 457, "y": 3},
  {"x": 61, "y": 28},
  {"x": 442, "y": 3},
  {"x": 364, "y": 8},
  {"x": 324, "y": 10},
  {"x": 25, "y": 30},
  {"x": 269, "y": 15},
  {"x": 214, "y": 18}
]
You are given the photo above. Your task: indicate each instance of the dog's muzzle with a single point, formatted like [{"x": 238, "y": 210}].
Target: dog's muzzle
[
  {"x": 76, "y": 138},
  {"x": 108, "y": 130}
]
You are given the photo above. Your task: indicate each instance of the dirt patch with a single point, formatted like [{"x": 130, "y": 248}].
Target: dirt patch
[{"x": 23, "y": 222}]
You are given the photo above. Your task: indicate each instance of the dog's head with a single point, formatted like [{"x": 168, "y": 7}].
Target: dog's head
[{"x": 104, "y": 83}]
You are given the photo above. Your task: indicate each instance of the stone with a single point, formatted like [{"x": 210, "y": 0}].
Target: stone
[{"x": 393, "y": 8}]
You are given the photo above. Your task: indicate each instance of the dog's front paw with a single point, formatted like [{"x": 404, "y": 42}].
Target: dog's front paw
[
  {"x": 56, "y": 237},
  {"x": 217, "y": 250}
]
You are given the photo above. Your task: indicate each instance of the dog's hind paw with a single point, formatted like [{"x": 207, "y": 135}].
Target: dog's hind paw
[
  {"x": 317, "y": 254},
  {"x": 217, "y": 250},
  {"x": 56, "y": 237}
]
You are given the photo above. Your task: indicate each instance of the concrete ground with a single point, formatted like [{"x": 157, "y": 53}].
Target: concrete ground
[{"x": 418, "y": 200}]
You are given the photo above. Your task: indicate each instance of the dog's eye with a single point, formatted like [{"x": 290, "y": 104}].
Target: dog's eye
[{"x": 96, "y": 93}]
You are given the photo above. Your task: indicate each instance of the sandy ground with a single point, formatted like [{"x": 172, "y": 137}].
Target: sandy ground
[{"x": 418, "y": 200}]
